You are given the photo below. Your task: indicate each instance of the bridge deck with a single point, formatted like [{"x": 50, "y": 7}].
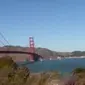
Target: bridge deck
[{"x": 20, "y": 52}]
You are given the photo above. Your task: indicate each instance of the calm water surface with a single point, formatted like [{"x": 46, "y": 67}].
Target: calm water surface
[{"x": 63, "y": 66}]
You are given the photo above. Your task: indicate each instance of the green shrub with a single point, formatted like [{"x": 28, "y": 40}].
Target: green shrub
[
  {"x": 7, "y": 62},
  {"x": 11, "y": 74},
  {"x": 79, "y": 73},
  {"x": 78, "y": 70}
]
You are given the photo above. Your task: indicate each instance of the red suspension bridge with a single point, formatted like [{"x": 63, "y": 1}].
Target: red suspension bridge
[{"x": 32, "y": 55}]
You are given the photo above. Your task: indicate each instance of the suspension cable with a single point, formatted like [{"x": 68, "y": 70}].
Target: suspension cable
[
  {"x": 2, "y": 43},
  {"x": 5, "y": 41},
  {"x": 4, "y": 38}
]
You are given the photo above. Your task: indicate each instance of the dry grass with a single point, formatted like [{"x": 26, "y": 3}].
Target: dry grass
[
  {"x": 80, "y": 76},
  {"x": 42, "y": 78},
  {"x": 11, "y": 74}
]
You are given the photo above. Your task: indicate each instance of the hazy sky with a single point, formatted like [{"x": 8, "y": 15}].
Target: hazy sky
[{"x": 55, "y": 24}]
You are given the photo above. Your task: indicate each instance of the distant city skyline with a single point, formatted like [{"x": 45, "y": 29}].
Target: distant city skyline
[{"x": 58, "y": 25}]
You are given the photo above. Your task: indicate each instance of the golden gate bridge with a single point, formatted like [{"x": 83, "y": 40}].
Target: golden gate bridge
[{"x": 32, "y": 55}]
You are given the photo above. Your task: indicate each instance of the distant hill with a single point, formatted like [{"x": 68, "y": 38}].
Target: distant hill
[{"x": 46, "y": 53}]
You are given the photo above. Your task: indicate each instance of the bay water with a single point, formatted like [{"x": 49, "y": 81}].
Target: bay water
[{"x": 62, "y": 66}]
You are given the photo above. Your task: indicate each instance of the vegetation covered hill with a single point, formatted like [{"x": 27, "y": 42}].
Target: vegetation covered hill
[{"x": 46, "y": 53}]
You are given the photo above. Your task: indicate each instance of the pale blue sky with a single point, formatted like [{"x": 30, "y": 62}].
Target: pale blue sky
[{"x": 55, "y": 24}]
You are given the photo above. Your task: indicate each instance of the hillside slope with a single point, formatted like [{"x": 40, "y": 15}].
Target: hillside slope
[{"x": 46, "y": 53}]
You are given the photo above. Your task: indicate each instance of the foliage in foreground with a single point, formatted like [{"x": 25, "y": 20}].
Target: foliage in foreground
[
  {"x": 43, "y": 78},
  {"x": 79, "y": 73},
  {"x": 11, "y": 74}
]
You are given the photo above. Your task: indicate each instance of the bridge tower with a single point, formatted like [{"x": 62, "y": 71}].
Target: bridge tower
[{"x": 31, "y": 47}]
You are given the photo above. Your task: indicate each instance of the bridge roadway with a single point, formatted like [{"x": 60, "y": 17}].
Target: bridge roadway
[{"x": 35, "y": 55}]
